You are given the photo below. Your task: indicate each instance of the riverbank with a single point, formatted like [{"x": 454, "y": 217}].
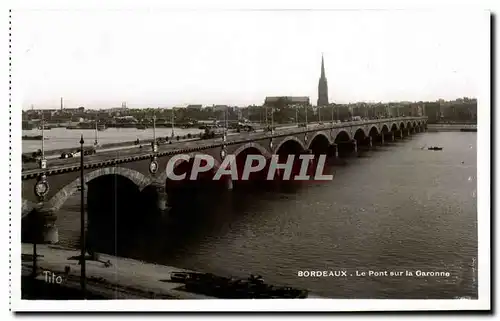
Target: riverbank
[
  {"x": 59, "y": 277},
  {"x": 451, "y": 127}
]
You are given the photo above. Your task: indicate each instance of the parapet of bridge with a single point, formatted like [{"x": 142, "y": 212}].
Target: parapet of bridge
[{"x": 44, "y": 191}]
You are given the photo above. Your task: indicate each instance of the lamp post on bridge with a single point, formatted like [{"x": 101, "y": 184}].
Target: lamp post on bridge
[
  {"x": 95, "y": 141},
  {"x": 296, "y": 115},
  {"x": 41, "y": 189},
  {"x": 43, "y": 161},
  {"x": 172, "y": 121},
  {"x": 272, "y": 120},
  {"x": 154, "y": 144},
  {"x": 306, "y": 114},
  {"x": 83, "y": 278},
  {"x": 265, "y": 114},
  {"x": 224, "y": 136}
]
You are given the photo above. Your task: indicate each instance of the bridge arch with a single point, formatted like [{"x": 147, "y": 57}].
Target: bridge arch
[
  {"x": 319, "y": 143},
  {"x": 289, "y": 140},
  {"x": 139, "y": 179},
  {"x": 264, "y": 152},
  {"x": 319, "y": 135},
  {"x": 342, "y": 136},
  {"x": 360, "y": 133},
  {"x": 384, "y": 129},
  {"x": 373, "y": 130},
  {"x": 408, "y": 125},
  {"x": 402, "y": 125},
  {"x": 394, "y": 127}
]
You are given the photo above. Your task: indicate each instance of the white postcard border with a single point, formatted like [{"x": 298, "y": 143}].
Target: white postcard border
[{"x": 483, "y": 195}]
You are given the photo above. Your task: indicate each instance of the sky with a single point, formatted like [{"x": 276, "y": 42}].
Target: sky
[{"x": 98, "y": 59}]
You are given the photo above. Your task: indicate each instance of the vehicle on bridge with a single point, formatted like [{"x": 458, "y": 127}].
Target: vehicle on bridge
[
  {"x": 86, "y": 152},
  {"x": 246, "y": 128},
  {"x": 66, "y": 155},
  {"x": 212, "y": 133}
]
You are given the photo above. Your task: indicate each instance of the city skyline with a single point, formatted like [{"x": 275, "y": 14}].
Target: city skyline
[{"x": 195, "y": 58}]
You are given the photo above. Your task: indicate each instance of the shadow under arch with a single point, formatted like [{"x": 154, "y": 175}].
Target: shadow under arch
[
  {"x": 360, "y": 134},
  {"x": 319, "y": 143},
  {"x": 191, "y": 195},
  {"x": 139, "y": 179},
  {"x": 373, "y": 131},
  {"x": 118, "y": 214},
  {"x": 291, "y": 141},
  {"x": 246, "y": 180},
  {"x": 342, "y": 136}
]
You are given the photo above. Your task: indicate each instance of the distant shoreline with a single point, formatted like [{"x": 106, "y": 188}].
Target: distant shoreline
[{"x": 451, "y": 127}]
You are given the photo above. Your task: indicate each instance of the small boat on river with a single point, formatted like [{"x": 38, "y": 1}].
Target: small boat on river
[
  {"x": 253, "y": 287},
  {"x": 435, "y": 148}
]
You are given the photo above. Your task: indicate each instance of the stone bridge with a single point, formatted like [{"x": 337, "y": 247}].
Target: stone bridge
[{"x": 44, "y": 191}]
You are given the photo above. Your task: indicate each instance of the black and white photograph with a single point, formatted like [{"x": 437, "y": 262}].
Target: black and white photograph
[{"x": 252, "y": 159}]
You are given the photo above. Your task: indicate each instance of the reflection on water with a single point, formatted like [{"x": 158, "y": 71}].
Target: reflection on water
[{"x": 397, "y": 208}]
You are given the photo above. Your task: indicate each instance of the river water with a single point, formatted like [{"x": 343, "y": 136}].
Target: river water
[
  {"x": 397, "y": 208},
  {"x": 58, "y": 138}
]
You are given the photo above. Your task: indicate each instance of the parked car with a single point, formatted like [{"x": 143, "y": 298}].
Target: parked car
[{"x": 65, "y": 155}]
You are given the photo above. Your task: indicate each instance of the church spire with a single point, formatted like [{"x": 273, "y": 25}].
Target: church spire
[
  {"x": 322, "y": 67},
  {"x": 322, "y": 86}
]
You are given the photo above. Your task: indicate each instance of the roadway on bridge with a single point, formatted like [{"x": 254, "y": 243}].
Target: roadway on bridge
[
  {"x": 122, "y": 151},
  {"x": 126, "y": 151}
]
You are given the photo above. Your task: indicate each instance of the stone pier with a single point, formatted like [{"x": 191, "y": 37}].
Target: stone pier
[
  {"x": 162, "y": 203},
  {"x": 333, "y": 151}
]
